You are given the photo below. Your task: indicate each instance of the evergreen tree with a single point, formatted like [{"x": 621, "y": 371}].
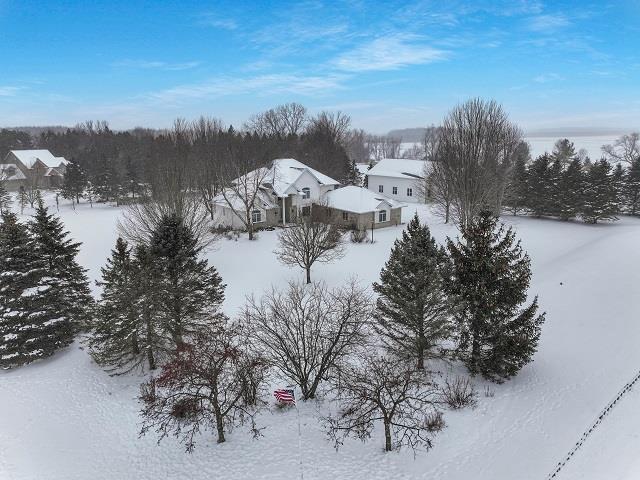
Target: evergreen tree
[
  {"x": 117, "y": 340},
  {"x": 413, "y": 312},
  {"x": 74, "y": 182},
  {"x": 106, "y": 183},
  {"x": 22, "y": 199},
  {"x": 516, "y": 193},
  {"x": 53, "y": 245},
  {"x": 554, "y": 189},
  {"x": 570, "y": 191},
  {"x": 600, "y": 199},
  {"x": 353, "y": 175},
  {"x": 632, "y": 188},
  {"x": 189, "y": 290},
  {"x": 31, "y": 327},
  {"x": 539, "y": 186},
  {"x": 618, "y": 182},
  {"x": 563, "y": 151},
  {"x": 5, "y": 199},
  {"x": 132, "y": 177},
  {"x": 490, "y": 278}
]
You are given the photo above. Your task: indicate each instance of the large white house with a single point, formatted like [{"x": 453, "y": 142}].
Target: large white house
[
  {"x": 398, "y": 179},
  {"x": 287, "y": 189},
  {"x": 39, "y": 167}
]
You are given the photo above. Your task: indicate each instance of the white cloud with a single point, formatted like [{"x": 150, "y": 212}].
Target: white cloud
[
  {"x": 389, "y": 53},
  {"x": 547, "y": 23},
  {"x": 212, "y": 20},
  {"x": 258, "y": 85},
  {"x": 547, "y": 77},
  {"x": 152, "y": 64},
  {"x": 9, "y": 91}
]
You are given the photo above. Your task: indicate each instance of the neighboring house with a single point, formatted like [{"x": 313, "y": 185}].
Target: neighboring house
[
  {"x": 12, "y": 177},
  {"x": 397, "y": 178},
  {"x": 358, "y": 207},
  {"x": 288, "y": 188},
  {"x": 40, "y": 168}
]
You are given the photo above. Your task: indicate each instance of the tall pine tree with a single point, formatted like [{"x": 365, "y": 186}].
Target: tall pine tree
[
  {"x": 117, "y": 340},
  {"x": 571, "y": 191},
  {"x": 515, "y": 197},
  {"x": 31, "y": 328},
  {"x": 632, "y": 188},
  {"x": 74, "y": 182},
  {"x": 490, "y": 278},
  {"x": 190, "y": 291},
  {"x": 52, "y": 243},
  {"x": 413, "y": 311},
  {"x": 539, "y": 186},
  {"x": 5, "y": 199},
  {"x": 600, "y": 198}
]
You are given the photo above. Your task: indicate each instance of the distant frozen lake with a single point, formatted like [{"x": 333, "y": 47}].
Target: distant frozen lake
[{"x": 592, "y": 145}]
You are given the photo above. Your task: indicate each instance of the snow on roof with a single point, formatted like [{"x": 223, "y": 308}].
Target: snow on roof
[
  {"x": 363, "y": 168},
  {"x": 398, "y": 168},
  {"x": 16, "y": 173},
  {"x": 262, "y": 200},
  {"x": 29, "y": 158},
  {"x": 358, "y": 200},
  {"x": 285, "y": 171}
]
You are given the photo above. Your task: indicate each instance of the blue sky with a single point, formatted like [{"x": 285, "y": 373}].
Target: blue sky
[{"x": 388, "y": 64}]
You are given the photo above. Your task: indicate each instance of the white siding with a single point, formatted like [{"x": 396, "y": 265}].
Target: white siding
[{"x": 374, "y": 182}]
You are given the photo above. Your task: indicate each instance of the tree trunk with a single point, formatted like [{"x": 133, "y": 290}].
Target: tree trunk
[
  {"x": 387, "y": 435},
  {"x": 308, "y": 269},
  {"x": 420, "y": 358},
  {"x": 150, "y": 357},
  {"x": 134, "y": 345},
  {"x": 219, "y": 424}
]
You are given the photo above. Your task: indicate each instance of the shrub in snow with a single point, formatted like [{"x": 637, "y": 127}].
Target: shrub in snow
[
  {"x": 202, "y": 388},
  {"x": 458, "y": 392},
  {"x": 358, "y": 236}
]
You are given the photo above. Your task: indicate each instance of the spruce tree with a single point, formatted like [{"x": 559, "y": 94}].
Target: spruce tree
[
  {"x": 74, "y": 182},
  {"x": 413, "y": 312},
  {"x": 600, "y": 199},
  {"x": 190, "y": 291},
  {"x": 618, "y": 183},
  {"x": 118, "y": 340},
  {"x": 517, "y": 189},
  {"x": 31, "y": 327},
  {"x": 571, "y": 191},
  {"x": 490, "y": 278},
  {"x": 539, "y": 186},
  {"x": 563, "y": 151},
  {"x": 554, "y": 189},
  {"x": 52, "y": 243},
  {"x": 5, "y": 199},
  {"x": 632, "y": 188}
]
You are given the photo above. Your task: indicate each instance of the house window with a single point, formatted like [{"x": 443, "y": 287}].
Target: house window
[
  {"x": 409, "y": 192},
  {"x": 381, "y": 188},
  {"x": 345, "y": 216},
  {"x": 395, "y": 190},
  {"x": 256, "y": 216},
  {"x": 306, "y": 192},
  {"x": 382, "y": 216}
]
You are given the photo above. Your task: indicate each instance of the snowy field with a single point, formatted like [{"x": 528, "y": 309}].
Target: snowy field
[{"x": 65, "y": 419}]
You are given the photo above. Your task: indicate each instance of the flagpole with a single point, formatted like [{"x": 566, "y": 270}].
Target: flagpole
[{"x": 299, "y": 442}]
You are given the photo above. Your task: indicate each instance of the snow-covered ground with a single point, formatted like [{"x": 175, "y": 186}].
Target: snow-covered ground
[{"x": 65, "y": 419}]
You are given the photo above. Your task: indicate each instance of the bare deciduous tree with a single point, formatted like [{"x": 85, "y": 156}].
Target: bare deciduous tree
[
  {"x": 336, "y": 124},
  {"x": 202, "y": 388},
  {"x": 307, "y": 242},
  {"x": 383, "y": 147},
  {"x": 281, "y": 121},
  {"x": 208, "y": 152},
  {"x": 475, "y": 150},
  {"x": 306, "y": 331},
  {"x": 386, "y": 390},
  {"x": 624, "y": 149}
]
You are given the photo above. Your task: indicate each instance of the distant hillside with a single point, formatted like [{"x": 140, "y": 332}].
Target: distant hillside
[
  {"x": 36, "y": 131},
  {"x": 408, "y": 135}
]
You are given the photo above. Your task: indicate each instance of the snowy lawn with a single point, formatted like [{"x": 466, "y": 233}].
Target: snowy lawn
[{"x": 64, "y": 418}]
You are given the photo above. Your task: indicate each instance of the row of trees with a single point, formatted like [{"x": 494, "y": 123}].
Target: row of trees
[
  {"x": 592, "y": 191},
  {"x": 45, "y": 294}
]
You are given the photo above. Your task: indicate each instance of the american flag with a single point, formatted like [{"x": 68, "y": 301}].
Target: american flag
[{"x": 284, "y": 395}]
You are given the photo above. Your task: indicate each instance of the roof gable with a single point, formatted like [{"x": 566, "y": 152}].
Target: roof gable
[
  {"x": 399, "y": 168},
  {"x": 30, "y": 157}
]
